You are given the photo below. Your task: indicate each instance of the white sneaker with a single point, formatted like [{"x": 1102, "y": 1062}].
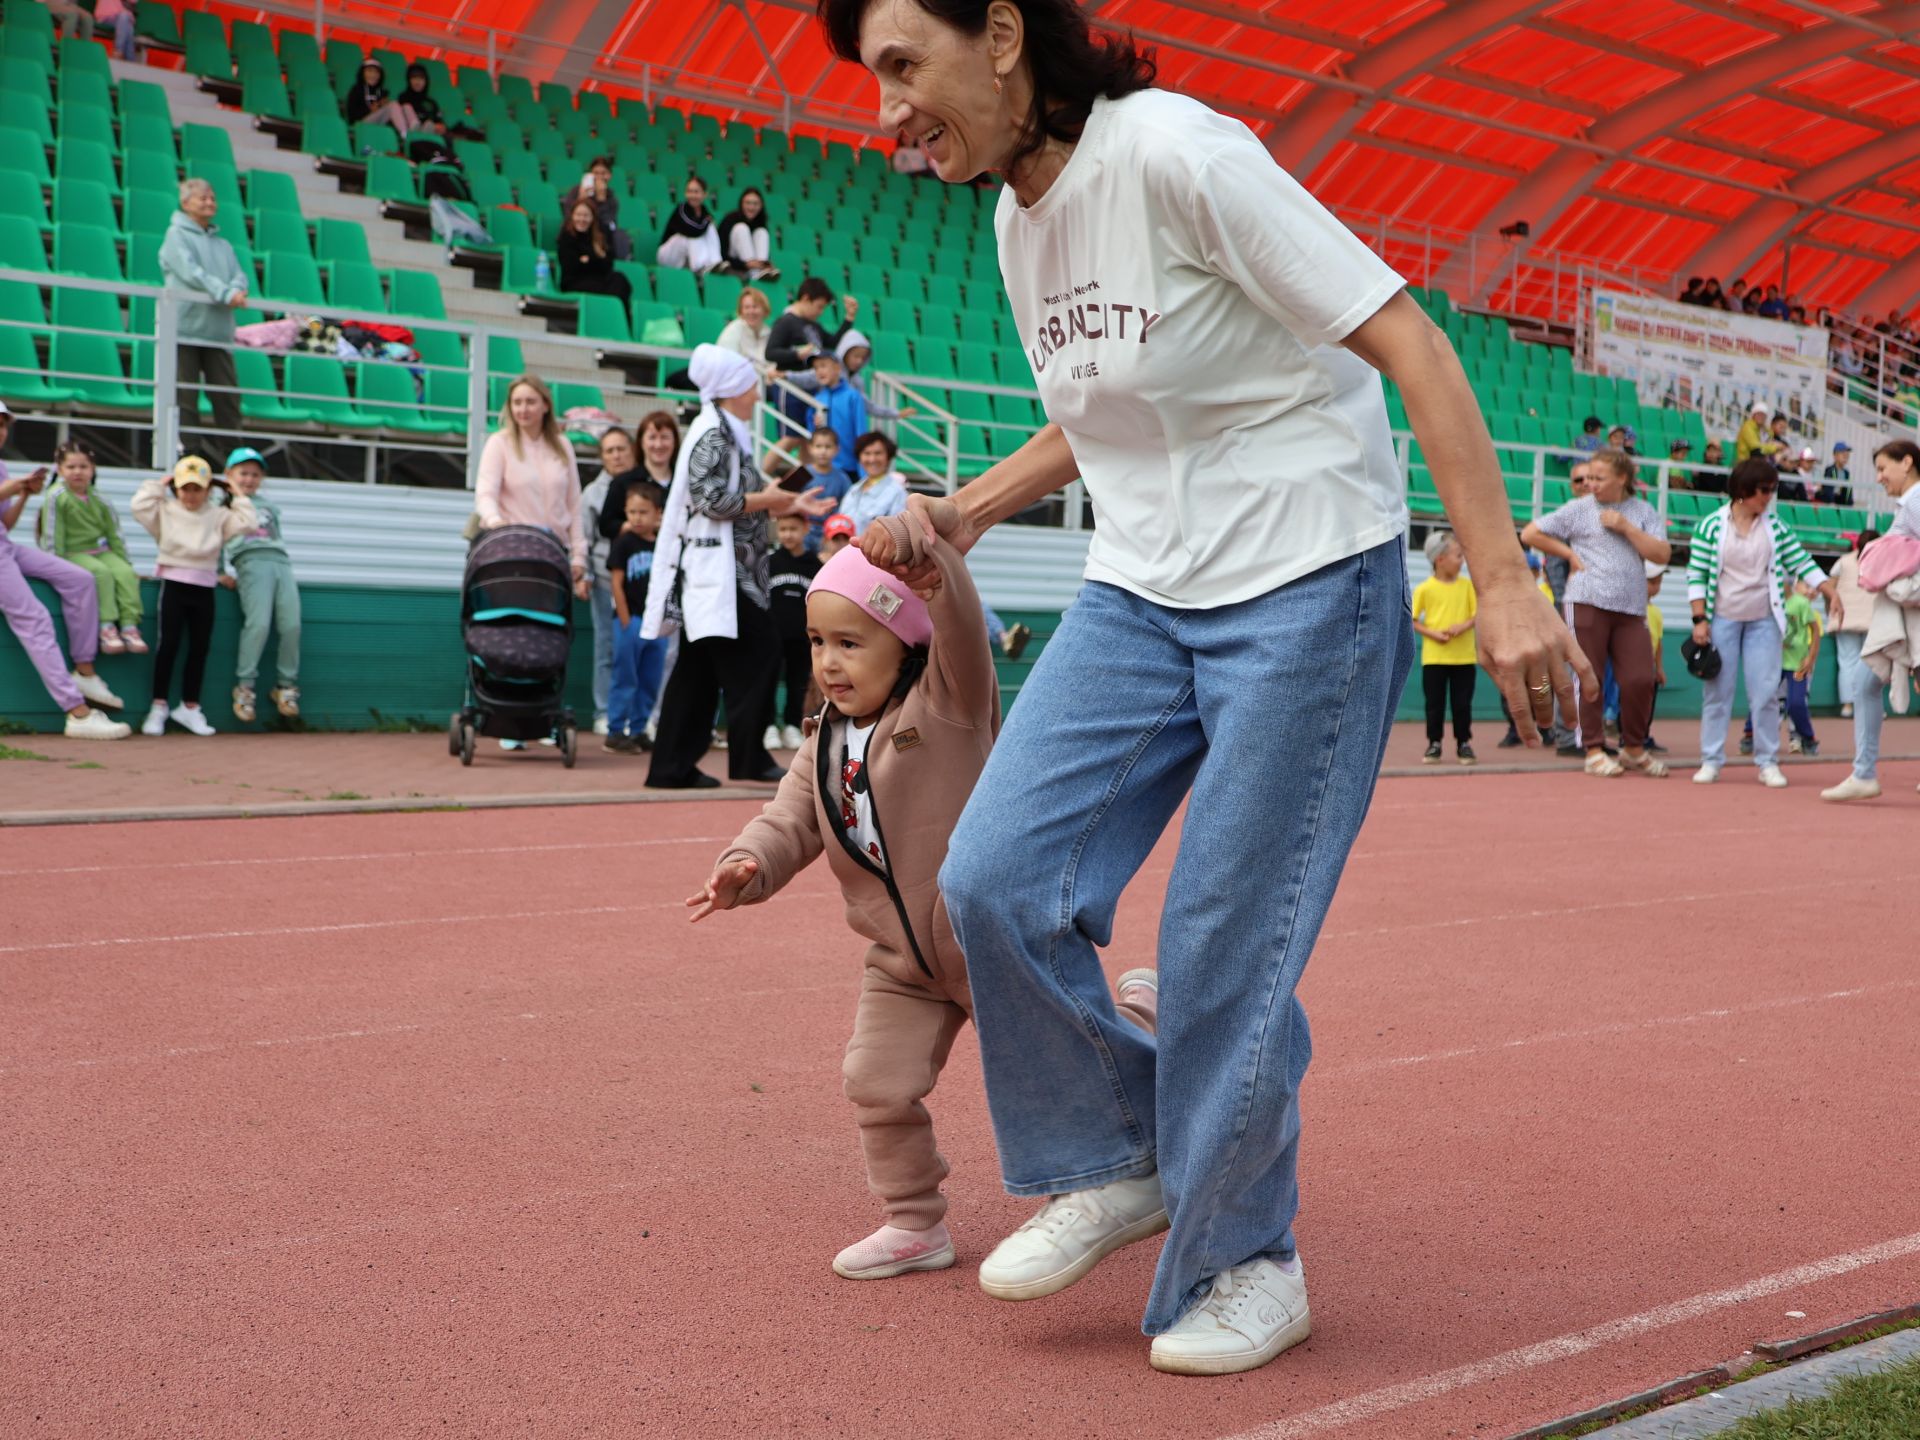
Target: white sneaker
[
  {"x": 772, "y": 739},
  {"x": 599, "y": 724},
  {"x": 1253, "y": 1312},
  {"x": 193, "y": 719},
  {"x": 1852, "y": 788},
  {"x": 793, "y": 737},
  {"x": 1706, "y": 775},
  {"x": 1072, "y": 1234},
  {"x": 891, "y": 1251},
  {"x": 96, "y": 725},
  {"x": 96, "y": 691},
  {"x": 156, "y": 721},
  {"x": 1771, "y": 777}
]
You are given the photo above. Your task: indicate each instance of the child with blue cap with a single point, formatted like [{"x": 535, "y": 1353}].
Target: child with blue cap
[{"x": 256, "y": 564}]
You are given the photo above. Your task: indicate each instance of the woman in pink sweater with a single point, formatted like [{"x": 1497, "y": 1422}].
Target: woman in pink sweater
[{"x": 528, "y": 475}]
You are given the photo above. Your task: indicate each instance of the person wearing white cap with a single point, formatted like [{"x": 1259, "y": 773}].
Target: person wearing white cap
[
  {"x": 711, "y": 581},
  {"x": 1753, "y": 433},
  {"x": 33, "y": 627}
]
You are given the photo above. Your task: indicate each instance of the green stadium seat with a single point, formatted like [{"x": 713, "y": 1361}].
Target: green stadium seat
[
  {"x": 92, "y": 124},
  {"x": 570, "y": 395},
  {"x": 316, "y": 392},
  {"x": 206, "y": 45},
  {"x": 299, "y": 49},
  {"x": 387, "y": 398},
  {"x": 88, "y": 310},
  {"x": 144, "y": 103},
  {"x": 391, "y": 178},
  {"x": 602, "y": 317},
  {"x": 416, "y": 293},
  {"x": 340, "y": 240},
  {"x": 249, "y": 37},
  {"x": 476, "y": 157},
  {"x": 282, "y": 232},
  {"x": 520, "y": 272},
  {"x": 24, "y": 158},
  {"x": 440, "y": 347},
  {"x": 976, "y": 363},
  {"x": 444, "y": 405},
  {"x": 504, "y": 356},
  {"x": 156, "y": 23},
  {"x": 489, "y": 192},
  {"x": 509, "y": 228},
  {"x": 264, "y": 94},
  {"x": 31, "y": 21},
  {"x": 678, "y": 288},
  {"x": 394, "y": 64},
  {"x": 87, "y": 251},
  {"x": 84, "y": 90},
  {"x": 26, "y": 204},
  {"x": 271, "y": 191},
  {"x": 260, "y": 400},
  {"x": 473, "y": 80},
  {"x": 353, "y": 287},
  {"x": 343, "y": 59},
  {"x": 79, "y": 57},
  {"x": 22, "y": 245},
  {"x": 23, "y": 376},
  {"x": 375, "y": 137},
  {"x": 24, "y": 112},
  {"x": 20, "y": 304},
  {"x": 90, "y": 367},
  {"x": 149, "y": 148},
  {"x": 293, "y": 280},
  {"x": 21, "y": 76},
  {"x": 596, "y": 107},
  {"x": 514, "y": 89}
]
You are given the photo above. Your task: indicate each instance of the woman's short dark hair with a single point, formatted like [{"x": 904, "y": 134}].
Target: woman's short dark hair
[
  {"x": 1072, "y": 66},
  {"x": 874, "y": 437},
  {"x": 814, "y": 288},
  {"x": 1900, "y": 450},
  {"x": 1865, "y": 538},
  {"x": 1751, "y": 476}
]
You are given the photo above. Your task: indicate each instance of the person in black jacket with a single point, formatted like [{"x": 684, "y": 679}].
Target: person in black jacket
[
  {"x": 367, "y": 101},
  {"x": 790, "y": 570},
  {"x": 691, "y": 241},
  {"x": 745, "y": 237},
  {"x": 586, "y": 259},
  {"x": 796, "y": 337}
]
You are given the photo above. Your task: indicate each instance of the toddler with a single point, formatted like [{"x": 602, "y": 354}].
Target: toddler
[
  {"x": 790, "y": 572},
  {"x": 77, "y": 524},
  {"x": 190, "y": 529},
  {"x": 637, "y": 664},
  {"x": 912, "y": 708},
  {"x": 1444, "y": 606},
  {"x": 836, "y": 534},
  {"x": 263, "y": 575}
]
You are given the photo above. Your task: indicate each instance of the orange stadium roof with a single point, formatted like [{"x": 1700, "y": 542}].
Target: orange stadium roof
[{"x": 1768, "y": 139}]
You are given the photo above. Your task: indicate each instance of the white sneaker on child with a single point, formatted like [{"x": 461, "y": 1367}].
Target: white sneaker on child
[
  {"x": 192, "y": 719},
  {"x": 771, "y": 740},
  {"x": 1072, "y": 1234},
  {"x": 891, "y": 1251},
  {"x": 793, "y": 737},
  {"x": 1249, "y": 1314},
  {"x": 96, "y": 691},
  {"x": 156, "y": 721}
]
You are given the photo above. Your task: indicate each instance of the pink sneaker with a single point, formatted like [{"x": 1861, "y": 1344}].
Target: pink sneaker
[
  {"x": 891, "y": 1251},
  {"x": 110, "y": 641},
  {"x": 130, "y": 635}
]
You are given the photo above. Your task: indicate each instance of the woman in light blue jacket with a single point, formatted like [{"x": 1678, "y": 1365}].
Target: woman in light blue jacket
[{"x": 195, "y": 258}]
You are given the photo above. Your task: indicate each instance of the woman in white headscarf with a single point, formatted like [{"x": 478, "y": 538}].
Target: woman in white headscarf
[{"x": 710, "y": 581}]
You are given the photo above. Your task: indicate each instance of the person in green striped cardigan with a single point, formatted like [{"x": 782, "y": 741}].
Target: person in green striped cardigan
[{"x": 1737, "y": 573}]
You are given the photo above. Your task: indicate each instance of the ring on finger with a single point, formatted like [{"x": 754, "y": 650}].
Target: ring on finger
[{"x": 1545, "y": 687}]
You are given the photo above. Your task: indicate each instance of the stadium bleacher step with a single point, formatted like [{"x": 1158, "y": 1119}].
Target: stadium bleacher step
[{"x": 321, "y": 197}]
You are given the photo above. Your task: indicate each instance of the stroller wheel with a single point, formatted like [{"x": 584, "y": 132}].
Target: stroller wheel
[
  {"x": 466, "y": 744},
  {"x": 453, "y": 734},
  {"x": 569, "y": 746}
]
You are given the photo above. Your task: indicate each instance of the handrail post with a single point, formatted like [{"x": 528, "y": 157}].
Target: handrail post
[
  {"x": 166, "y": 382},
  {"x": 477, "y": 364}
]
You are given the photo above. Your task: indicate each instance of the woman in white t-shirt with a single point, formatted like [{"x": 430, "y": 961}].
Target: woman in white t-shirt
[{"x": 1206, "y": 339}]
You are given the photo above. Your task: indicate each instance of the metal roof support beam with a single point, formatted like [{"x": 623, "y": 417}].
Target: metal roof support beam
[
  {"x": 1821, "y": 107},
  {"x": 1557, "y": 185},
  {"x": 1896, "y": 290}
]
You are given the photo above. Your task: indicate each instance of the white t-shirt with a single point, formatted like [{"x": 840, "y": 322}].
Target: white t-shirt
[
  {"x": 1180, "y": 299},
  {"x": 856, "y": 800}
]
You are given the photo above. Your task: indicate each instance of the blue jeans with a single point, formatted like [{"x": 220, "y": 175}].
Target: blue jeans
[
  {"x": 1861, "y": 688},
  {"x": 635, "y": 685},
  {"x": 1275, "y": 713},
  {"x": 604, "y": 622},
  {"x": 1750, "y": 648}
]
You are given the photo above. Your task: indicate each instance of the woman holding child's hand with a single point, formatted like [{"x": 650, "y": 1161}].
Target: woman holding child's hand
[{"x": 1240, "y": 645}]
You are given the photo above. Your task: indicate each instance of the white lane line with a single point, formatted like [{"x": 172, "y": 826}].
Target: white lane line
[
  {"x": 380, "y": 1032},
  {"x": 1577, "y": 1342},
  {"x": 342, "y": 928},
  {"x": 1619, "y": 1027},
  {"x": 1551, "y": 913},
  {"x": 422, "y": 853}
]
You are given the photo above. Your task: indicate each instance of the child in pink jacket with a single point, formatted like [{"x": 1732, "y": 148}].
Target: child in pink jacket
[{"x": 912, "y": 708}]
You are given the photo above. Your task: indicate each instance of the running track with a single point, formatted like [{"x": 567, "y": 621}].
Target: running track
[{"x": 449, "y": 1124}]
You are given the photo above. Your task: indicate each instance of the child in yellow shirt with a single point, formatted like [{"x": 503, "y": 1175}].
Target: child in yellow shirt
[{"x": 1444, "y": 607}]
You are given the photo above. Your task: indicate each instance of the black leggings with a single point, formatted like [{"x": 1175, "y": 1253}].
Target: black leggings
[
  {"x": 743, "y": 670},
  {"x": 1443, "y": 683},
  {"x": 796, "y": 654},
  {"x": 186, "y": 614}
]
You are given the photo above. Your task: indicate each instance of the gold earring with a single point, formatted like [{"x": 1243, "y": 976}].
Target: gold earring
[{"x": 996, "y": 82}]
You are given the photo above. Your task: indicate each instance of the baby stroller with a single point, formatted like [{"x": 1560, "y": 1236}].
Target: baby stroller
[{"x": 516, "y": 621}]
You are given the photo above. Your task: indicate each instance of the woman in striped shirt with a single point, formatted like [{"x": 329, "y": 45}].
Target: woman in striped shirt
[{"x": 1736, "y": 577}]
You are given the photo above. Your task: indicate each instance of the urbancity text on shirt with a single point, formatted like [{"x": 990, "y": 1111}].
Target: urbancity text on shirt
[{"x": 1181, "y": 300}]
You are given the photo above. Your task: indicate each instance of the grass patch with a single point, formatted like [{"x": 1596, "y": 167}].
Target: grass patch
[
  {"x": 14, "y": 727},
  {"x": 1881, "y": 1406},
  {"x": 346, "y": 795},
  {"x": 405, "y": 724},
  {"x": 86, "y": 765},
  {"x": 14, "y": 752}
]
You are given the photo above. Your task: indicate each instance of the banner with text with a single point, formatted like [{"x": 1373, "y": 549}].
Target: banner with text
[{"x": 1685, "y": 357}]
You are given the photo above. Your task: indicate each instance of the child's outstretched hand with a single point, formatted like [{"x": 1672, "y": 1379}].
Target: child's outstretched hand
[{"x": 729, "y": 878}]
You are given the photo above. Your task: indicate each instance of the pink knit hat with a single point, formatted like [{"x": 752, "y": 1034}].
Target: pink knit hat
[{"x": 885, "y": 598}]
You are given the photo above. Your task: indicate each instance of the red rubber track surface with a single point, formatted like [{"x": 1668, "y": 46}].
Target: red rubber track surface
[{"x": 449, "y": 1124}]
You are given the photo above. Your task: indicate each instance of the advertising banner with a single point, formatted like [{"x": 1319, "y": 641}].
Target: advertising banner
[{"x": 1719, "y": 362}]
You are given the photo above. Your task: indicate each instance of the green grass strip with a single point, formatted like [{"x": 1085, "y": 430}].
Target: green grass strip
[{"x": 1881, "y": 1406}]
